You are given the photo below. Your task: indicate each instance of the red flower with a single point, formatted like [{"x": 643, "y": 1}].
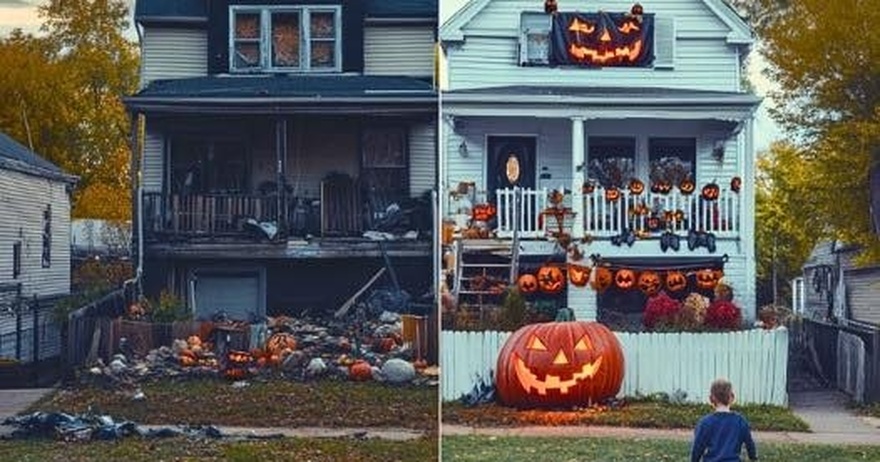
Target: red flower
[
  {"x": 660, "y": 310},
  {"x": 723, "y": 314}
]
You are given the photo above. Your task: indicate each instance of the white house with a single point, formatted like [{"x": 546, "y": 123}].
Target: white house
[
  {"x": 599, "y": 100},
  {"x": 34, "y": 239}
]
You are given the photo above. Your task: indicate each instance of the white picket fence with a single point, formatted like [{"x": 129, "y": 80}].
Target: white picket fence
[{"x": 755, "y": 361}]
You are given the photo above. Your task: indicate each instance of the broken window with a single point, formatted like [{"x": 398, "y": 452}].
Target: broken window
[{"x": 47, "y": 237}]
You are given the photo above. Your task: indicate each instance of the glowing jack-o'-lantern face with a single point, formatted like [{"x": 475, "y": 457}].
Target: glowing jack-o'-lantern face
[
  {"x": 559, "y": 364},
  {"x": 579, "y": 275},
  {"x": 603, "y": 279},
  {"x": 550, "y": 279},
  {"x": 527, "y": 283},
  {"x": 676, "y": 281},
  {"x": 625, "y": 279},
  {"x": 605, "y": 39},
  {"x": 649, "y": 282}
]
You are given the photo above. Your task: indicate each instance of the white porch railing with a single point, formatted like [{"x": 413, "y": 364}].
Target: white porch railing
[
  {"x": 755, "y": 361},
  {"x": 523, "y": 212},
  {"x": 604, "y": 218}
]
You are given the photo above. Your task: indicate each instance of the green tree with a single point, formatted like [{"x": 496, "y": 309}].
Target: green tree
[
  {"x": 785, "y": 232},
  {"x": 825, "y": 58},
  {"x": 67, "y": 87}
]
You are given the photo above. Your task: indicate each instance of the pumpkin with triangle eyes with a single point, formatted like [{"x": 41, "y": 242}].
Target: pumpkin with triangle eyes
[
  {"x": 649, "y": 282},
  {"x": 559, "y": 364},
  {"x": 602, "y": 279},
  {"x": 636, "y": 186},
  {"x": 676, "y": 281},
  {"x": 527, "y": 283},
  {"x": 687, "y": 186},
  {"x": 625, "y": 278},
  {"x": 550, "y": 279},
  {"x": 661, "y": 187},
  {"x": 578, "y": 275},
  {"x": 604, "y": 39}
]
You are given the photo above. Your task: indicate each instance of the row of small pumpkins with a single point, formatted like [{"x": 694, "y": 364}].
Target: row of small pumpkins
[
  {"x": 551, "y": 280},
  {"x": 710, "y": 191}
]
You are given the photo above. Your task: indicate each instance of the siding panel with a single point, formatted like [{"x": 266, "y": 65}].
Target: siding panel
[
  {"x": 422, "y": 158},
  {"x": 154, "y": 149},
  {"x": 399, "y": 51},
  {"x": 863, "y": 289},
  {"x": 173, "y": 54}
]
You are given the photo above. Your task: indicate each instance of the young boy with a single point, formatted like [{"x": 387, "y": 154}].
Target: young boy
[{"x": 719, "y": 436}]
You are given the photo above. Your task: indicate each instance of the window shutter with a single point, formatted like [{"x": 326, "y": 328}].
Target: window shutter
[
  {"x": 664, "y": 43},
  {"x": 534, "y": 39}
]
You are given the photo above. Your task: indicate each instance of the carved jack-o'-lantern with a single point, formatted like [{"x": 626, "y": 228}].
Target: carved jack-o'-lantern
[
  {"x": 579, "y": 275},
  {"x": 588, "y": 187},
  {"x": 483, "y": 212},
  {"x": 602, "y": 279},
  {"x": 649, "y": 282},
  {"x": 661, "y": 187},
  {"x": 527, "y": 283},
  {"x": 687, "y": 186},
  {"x": 636, "y": 186},
  {"x": 559, "y": 364},
  {"x": 654, "y": 223},
  {"x": 676, "y": 281},
  {"x": 612, "y": 194},
  {"x": 605, "y": 39},
  {"x": 706, "y": 279},
  {"x": 550, "y": 279},
  {"x": 625, "y": 278},
  {"x": 711, "y": 191}
]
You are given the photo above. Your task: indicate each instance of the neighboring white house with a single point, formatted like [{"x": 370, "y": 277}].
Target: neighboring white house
[
  {"x": 596, "y": 97},
  {"x": 34, "y": 234}
]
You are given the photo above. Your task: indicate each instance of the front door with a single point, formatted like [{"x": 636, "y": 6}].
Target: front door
[{"x": 511, "y": 163}]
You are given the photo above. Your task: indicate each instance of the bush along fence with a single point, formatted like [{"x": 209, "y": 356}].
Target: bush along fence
[{"x": 755, "y": 361}]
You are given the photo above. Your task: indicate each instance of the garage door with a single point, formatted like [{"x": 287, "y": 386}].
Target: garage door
[{"x": 236, "y": 295}]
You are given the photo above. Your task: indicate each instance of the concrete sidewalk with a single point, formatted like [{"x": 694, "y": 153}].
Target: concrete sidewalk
[{"x": 13, "y": 402}]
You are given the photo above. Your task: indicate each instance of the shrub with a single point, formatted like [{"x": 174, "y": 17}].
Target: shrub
[
  {"x": 723, "y": 314},
  {"x": 661, "y": 312},
  {"x": 693, "y": 311}
]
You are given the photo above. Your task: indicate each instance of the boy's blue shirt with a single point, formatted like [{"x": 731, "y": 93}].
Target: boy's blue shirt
[{"x": 719, "y": 437}]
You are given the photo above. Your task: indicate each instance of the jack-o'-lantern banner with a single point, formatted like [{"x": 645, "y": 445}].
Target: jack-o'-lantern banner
[{"x": 602, "y": 39}]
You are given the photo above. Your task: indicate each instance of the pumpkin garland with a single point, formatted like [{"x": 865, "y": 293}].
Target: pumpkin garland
[
  {"x": 578, "y": 275},
  {"x": 550, "y": 279}
]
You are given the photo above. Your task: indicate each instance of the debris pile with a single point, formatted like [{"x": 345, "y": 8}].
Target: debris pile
[{"x": 88, "y": 426}]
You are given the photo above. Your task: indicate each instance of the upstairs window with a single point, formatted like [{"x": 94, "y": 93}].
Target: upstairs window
[{"x": 285, "y": 39}]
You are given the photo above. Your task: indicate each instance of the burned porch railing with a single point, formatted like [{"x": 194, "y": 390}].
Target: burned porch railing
[{"x": 208, "y": 214}]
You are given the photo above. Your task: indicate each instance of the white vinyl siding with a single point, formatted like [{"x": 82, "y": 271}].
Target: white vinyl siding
[
  {"x": 399, "y": 50},
  {"x": 23, "y": 199},
  {"x": 701, "y": 58},
  {"x": 154, "y": 153},
  {"x": 173, "y": 54},
  {"x": 863, "y": 294},
  {"x": 422, "y": 158}
]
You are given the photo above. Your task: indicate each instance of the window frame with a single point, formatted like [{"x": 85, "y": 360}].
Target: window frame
[
  {"x": 46, "y": 255},
  {"x": 305, "y": 12}
]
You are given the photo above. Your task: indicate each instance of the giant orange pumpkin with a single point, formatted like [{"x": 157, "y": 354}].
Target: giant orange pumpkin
[
  {"x": 602, "y": 279},
  {"x": 559, "y": 364},
  {"x": 527, "y": 283},
  {"x": 579, "y": 275},
  {"x": 550, "y": 279},
  {"x": 625, "y": 278}
]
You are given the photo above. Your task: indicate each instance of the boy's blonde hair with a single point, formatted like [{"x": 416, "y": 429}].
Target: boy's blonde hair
[{"x": 721, "y": 392}]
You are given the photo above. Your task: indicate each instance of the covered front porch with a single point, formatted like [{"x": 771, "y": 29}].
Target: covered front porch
[
  {"x": 612, "y": 166},
  {"x": 272, "y": 159}
]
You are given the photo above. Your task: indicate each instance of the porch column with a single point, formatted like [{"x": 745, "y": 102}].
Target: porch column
[
  {"x": 577, "y": 176},
  {"x": 747, "y": 207}
]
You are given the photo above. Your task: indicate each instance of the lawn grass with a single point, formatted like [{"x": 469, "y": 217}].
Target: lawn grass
[
  {"x": 274, "y": 403},
  {"x": 871, "y": 410},
  {"x": 639, "y": 414},
  {"x": 137, "y": 449},
  {"x": 527, "y": 449}
]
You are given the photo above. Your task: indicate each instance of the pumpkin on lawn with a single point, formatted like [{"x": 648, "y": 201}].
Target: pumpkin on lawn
[
  {"x": 279, "y": 342},
  {"x": 559, "y": 364},
  {"x": 550, "y": 279},
  {"x": 527, "y": 283},
  {"x": 578, "y": 275},
  {"x": 360, "y": 371}
]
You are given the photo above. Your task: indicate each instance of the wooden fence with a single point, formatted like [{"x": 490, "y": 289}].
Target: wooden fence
[
  {"x": 755, "y": 361},
  {"x": 88, "y": 327}
]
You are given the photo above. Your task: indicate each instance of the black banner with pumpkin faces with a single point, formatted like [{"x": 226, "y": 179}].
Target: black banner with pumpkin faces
[{"x": 602, "y": 39}]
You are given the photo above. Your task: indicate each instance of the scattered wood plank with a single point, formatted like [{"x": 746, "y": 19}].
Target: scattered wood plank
[{"x": 348, "y": 303}]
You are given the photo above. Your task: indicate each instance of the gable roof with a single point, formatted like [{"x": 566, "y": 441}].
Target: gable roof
[
  {"x": 14, "y": 156},
  {"x": 741, "y": 32},
  {"x": 197, "y": 10}
]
